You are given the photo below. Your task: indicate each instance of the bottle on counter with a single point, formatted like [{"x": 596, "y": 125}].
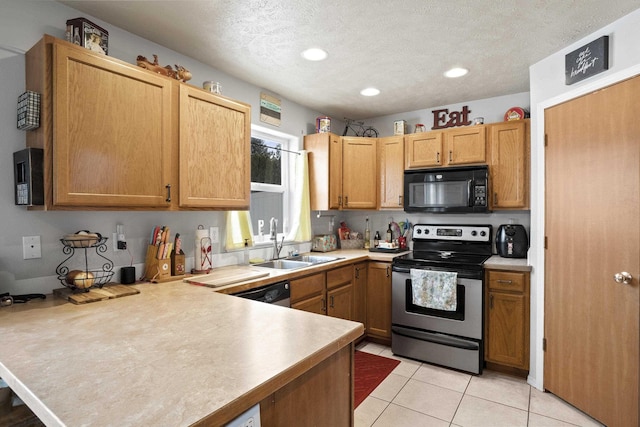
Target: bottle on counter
[
  {"x": 367, "y": 235},
  {"x": 376, "y": 240},
  {"x": 389, "y": 237}
]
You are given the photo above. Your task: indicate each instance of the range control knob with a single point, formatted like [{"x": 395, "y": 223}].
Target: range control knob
[
  {"x": 474, "y": 233},
  {"x": 419, "y": 231},
  {"x": 483, "y": 233}
]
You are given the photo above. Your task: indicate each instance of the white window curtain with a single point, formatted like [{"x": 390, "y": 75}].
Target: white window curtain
[
  {"x": 301, "y": 205},
  {"x": 238, "y": 229}
]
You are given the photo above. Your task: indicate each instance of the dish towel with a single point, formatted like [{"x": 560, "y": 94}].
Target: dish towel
[{"x": 434, "y": 289}]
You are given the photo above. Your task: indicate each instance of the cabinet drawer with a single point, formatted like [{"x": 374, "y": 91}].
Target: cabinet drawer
[
  {"x": 339, "y": 276},
  {"x": 307, "y": 287},
  {"x": 507, "y": 280}
]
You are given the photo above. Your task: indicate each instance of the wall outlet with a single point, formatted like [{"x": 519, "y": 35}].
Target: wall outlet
[
  {"x": 214, "y": 234},
  {"x": 31, "y": 248},
  {"x": 119, "y": 239}
]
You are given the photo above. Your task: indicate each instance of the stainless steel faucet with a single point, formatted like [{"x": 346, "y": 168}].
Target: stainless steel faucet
[{"x": 273, "y": 231}]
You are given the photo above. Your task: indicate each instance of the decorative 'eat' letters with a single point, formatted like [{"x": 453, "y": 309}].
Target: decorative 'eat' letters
[{"x": 456, "y": 118}]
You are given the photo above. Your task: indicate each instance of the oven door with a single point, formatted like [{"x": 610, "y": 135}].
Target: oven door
[{"x": 466, "y": 321}]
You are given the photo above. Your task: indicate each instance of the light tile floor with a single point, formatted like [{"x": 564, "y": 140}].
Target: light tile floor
[{"x": 420, "y": 394}]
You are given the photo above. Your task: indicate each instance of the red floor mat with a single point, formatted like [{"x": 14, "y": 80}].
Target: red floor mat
[{"x": 370, "y": 370}]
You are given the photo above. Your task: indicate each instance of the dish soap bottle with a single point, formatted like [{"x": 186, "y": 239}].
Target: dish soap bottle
[
  {"x": 246, "y": 252},
  {"x": 367, "y": 236}
]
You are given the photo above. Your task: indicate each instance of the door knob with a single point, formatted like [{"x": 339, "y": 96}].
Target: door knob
[{"x": 623, "y": 277}]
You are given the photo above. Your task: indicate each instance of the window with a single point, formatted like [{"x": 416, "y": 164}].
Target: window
[{"x": 270, "y": 180}]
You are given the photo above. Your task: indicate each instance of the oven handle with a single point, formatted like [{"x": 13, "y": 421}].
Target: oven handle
[
  {"x": 399, "y": 269},
  {"x": 435, "y": 338}
]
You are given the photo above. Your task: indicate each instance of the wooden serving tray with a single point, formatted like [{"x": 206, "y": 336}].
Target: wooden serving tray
[
  {"x": 108, "y": 291},
  {"x": 226, "y": 276}
]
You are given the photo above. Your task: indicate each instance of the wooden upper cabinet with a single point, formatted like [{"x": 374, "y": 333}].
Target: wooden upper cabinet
[
  {"x": 113, "y": 133},
  {"x": 359, "y": 173},
  {"x": 424, "y": 149},
  {"x": 215, "y": 151},
  {"x": 325, "y": 170},
  {"x": 342, "y": 172},
  {"x": 466, "y": 145},
  {"x": 449, "y": 147},
  {"x": 110, "y": 123},
  {"x": 509, "y": 164},
  {"x": 391, "y": 172}
]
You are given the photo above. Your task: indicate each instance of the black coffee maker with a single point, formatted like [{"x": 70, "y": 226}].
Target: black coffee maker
[{"x": 512, "y": 241}]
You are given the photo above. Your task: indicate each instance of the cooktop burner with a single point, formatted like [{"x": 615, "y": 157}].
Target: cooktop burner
[{"x": 448, "y": 247}]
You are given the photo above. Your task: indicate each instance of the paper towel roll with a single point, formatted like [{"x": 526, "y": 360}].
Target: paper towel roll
[{"x": 202, "y": 255}]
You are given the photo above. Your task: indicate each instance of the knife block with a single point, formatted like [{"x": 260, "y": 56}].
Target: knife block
[
  {"x": 156, "y": 269},
  {"x": 177, "y": 264}
]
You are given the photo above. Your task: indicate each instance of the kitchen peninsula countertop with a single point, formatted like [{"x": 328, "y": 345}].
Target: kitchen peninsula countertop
[{"x": 174, "y": 354}]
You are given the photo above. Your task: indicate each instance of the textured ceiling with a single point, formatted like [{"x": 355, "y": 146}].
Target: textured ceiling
[{"x": 400, "y": 47}]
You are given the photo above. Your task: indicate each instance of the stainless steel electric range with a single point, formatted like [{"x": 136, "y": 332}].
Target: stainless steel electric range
[{"x": 451, "y": 337}]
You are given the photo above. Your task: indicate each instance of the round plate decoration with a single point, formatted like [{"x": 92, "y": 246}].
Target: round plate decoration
[{"x": 515, "y": 113}]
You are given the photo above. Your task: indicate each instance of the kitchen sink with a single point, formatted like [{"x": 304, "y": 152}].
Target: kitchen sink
[
  {"x": 284, "y": 264},
  {"x": 314, "y": 259}
]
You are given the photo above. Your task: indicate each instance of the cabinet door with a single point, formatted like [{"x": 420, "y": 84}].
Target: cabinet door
[
  {"x": 423, "y": 150},
  {"x": 340, "y": 302},
  {"x": 506, "y": 329},
  {"x": 325, "y": 170},
  {"x": 466, "y": 145},
  {"x": 359, "y": 173},
  {"x": 316, "y": 304},
  {"x": 509, "y": 164},
  {"x": 215, "y": 151},
  {"x": 360, "y": 293},
  {"x": 379, "y": 300},
  {"x": 112, "y": 132},
  {"x": 391, "y": 171},
  {"x": 309, "y": 293}
]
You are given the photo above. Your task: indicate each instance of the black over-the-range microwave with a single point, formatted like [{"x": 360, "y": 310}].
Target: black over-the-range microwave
[{"x": 447, "y": 190}]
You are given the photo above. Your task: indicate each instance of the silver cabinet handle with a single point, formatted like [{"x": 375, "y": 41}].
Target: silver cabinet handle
[
  {"x": 624, "y": 278},
  {"x": 506, "y": 282},
  {"x": 438, "y": 157}
]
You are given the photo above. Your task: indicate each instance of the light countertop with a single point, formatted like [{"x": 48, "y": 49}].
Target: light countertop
[
  {"x": 171, "y": 355},
  {"x": 497, "y": 262}
]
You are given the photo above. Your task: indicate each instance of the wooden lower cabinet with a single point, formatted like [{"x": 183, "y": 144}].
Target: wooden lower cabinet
[
  {"x": 323, "y": 396},
  {"x": 309, "y": 293},
  {"x": 507, "y": 319},
  {"x": 378, "y": 302},
  {"x": 329, "y": 293},
  {"x": 360, "y": 293}
]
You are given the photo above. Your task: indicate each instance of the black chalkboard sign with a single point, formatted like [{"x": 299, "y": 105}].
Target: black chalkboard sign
[{"x": 587, "y": 61}]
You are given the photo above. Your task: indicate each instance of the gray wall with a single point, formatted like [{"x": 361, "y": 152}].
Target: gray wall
[{"x": 22, "y": 24}]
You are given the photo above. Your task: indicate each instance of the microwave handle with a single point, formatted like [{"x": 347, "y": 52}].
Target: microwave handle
[{"x": 470, "y": 192}]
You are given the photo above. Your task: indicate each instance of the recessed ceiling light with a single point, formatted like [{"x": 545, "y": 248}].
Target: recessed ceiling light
[
  {"x": 370, "y": 91},
  {"x": 314, "y": 54},
  {"x": 456, "y": 72}
]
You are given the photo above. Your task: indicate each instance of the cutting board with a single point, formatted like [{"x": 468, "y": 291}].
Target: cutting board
[
  {"x": 108, "y": 291},
  {"x": 226, "y": 276}
]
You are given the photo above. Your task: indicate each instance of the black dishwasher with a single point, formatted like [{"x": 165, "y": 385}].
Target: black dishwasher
[{"x": 276, "y": 293}]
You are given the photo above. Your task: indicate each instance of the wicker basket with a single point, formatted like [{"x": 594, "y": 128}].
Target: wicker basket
[{"x": 352, "y": 244}]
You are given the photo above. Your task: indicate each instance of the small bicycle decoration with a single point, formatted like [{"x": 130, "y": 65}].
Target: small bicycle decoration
[{"x": 359, "y": 129}]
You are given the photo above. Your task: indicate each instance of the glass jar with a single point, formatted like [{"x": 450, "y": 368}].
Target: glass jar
[
  {"x": 419, "y": 128},
  {"x": 213, "y": 87}
]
